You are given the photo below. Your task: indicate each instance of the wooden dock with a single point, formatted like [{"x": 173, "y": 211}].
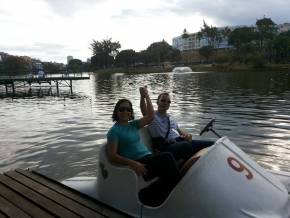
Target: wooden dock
[
  {"x": 25, "y": 193},
  {"x": 57, "y": 80}
]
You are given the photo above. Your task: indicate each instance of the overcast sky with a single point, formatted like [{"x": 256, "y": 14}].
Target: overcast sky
[{"x": 50, "y": 30}]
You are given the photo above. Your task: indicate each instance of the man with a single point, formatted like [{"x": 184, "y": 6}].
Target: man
[{"x": 175, "y": 140}]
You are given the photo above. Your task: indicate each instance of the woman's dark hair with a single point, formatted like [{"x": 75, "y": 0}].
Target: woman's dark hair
[
  {"x": 160, "y": 95},
  {"x": 115, "y": 112}
]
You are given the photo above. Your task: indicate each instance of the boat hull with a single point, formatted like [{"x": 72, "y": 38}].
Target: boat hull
[{"x": 224, "y": 183}]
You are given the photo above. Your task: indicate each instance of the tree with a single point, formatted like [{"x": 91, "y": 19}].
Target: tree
[
  {"x": 101, "y": 60},
  {"x": 106, "y": 46},
  {"x": 243, "y": 40},
  {"x": 104, "y": 52},
  {"x": 126, "y": 58},
  {"x": 161, "y": 52},
  {"x": 281, "y": 45},
  {"x": 266, "y": 31},
  {"x": 213, "y": 37},
  {"x": 143, "y": 57},
  {"x": 16, "y": 65},
  {"x": 211, "y": 34},
  {"x": 185, "y": 34},
  {"x": 225, "y": 33},
  {"x": 50, "y": 67},
  {"x": 75, "y": 65},
  {"x": 206, "y": 51}
]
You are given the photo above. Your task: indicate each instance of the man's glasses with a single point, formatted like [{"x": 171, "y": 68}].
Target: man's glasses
[
  {"x": 122, "y": 109},
  {"x": 163, "y": 100}
]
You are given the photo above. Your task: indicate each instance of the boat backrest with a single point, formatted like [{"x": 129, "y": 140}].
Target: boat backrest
[
  {"x": 145, "y": 137},
  {"x": 119, "y": 185}
]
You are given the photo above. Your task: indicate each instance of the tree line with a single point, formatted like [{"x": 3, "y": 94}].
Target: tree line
[
  {"x": 106, "y": 54},
  {"x": 259, "y": 44}
]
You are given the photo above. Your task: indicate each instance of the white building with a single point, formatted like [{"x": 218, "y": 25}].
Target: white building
[
  {"x": 69, "y": 58},
  {"x": 283, "y": 27},
  {"x": 192, "y": 42}
]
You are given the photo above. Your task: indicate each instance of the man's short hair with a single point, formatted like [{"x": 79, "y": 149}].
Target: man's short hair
[{"x": 160, "y": 95}]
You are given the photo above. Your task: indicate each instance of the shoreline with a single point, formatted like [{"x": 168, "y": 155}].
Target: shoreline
[{"x": 199, "y": 68}]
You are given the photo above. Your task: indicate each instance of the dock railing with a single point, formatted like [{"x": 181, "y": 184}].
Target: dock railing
[
  {"x": 63, "y": 75},
  {"x": 59, "y": 79}
]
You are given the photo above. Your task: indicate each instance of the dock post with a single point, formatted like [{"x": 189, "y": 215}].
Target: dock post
[
  {"x": 57, "y": 90},
  {"x": 71, "y": 91},
  {"x": 13, "y": 88},
  {"x": 6, "y": 88}
]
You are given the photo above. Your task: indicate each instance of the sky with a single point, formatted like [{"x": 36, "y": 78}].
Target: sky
[{"x": 51, "y": 30}]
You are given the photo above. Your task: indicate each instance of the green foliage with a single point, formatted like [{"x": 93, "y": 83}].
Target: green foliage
[
  {"x": 75, "y": 65},
  {"x": 286, "y": 33},
  {"x": 236, "y": 58},
  {"x": 281, "y": 46},
  {"x": 159, "y": 52},
  {"x": 263, "y": 41},
  {"x": 185, "y": 34},
  {"x": 103, "y": 53},
  {"x": 225, "y": 32},
  {"x": 50, "y": 67},
  {"x": 144, "y": 57},
  {"x": 126, "y": 58},
  {"x": 105, "y": 47},
  {"x": 266, "y": 30},
  {"x": 101, "y": 61},
  {"x": 15, "y": 65},
  {"x": 206, "y": 51},
  {"x": 222, "y": 58},
  {"x": 175, "y": 55},
  {"x": 242, "y": 38},
  {"x": 256, "y": 60},
  {"x": 211, "y": 34}
]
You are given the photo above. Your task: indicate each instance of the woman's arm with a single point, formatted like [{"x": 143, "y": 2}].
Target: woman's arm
[
  {"x": 143, "y": 105},
  {"x": 149, "y": 116},
  {"x": 115, "y": 158}
]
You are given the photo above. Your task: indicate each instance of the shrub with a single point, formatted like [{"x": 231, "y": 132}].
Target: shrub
[
  {"x": 222, "y": 58},
  {"x": 257, "y": 60}
]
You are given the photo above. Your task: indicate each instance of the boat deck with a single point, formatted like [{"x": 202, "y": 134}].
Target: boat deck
[{"x": 25, "y": 193}]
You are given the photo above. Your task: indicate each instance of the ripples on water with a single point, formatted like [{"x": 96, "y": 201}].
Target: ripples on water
[{"x": 60, "y": 136}]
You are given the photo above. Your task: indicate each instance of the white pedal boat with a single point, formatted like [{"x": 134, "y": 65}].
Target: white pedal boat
[{"x": 223, "y": 183}]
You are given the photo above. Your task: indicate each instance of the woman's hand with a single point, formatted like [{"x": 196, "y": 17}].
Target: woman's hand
[
  {"x": 139, "y": 168},
  {"x": 143, "y": 91},
  {"x": 146, "y": 107}
]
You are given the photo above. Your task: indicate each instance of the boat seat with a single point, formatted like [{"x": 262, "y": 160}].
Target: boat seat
[
  {"x": 120, "y": 184},
  {"x": 145, "y": 137}
]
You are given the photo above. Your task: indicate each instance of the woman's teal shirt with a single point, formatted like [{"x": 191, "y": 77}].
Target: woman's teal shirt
[{"x": 128, "y": 140}]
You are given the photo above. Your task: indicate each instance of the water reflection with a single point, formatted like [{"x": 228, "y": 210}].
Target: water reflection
[{"x": 61, "y": 136}]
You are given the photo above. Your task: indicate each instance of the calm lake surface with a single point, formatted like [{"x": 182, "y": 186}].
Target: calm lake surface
[{"x": 60, "y": 136}]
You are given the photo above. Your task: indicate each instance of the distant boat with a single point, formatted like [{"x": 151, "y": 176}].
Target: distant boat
[{"x": 182, "y": 70}]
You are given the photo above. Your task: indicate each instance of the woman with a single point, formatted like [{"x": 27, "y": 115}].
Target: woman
[{"x": 124, "y": 147}]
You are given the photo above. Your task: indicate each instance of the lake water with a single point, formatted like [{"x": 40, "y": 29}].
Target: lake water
[{"x": 60, "y": 136}]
